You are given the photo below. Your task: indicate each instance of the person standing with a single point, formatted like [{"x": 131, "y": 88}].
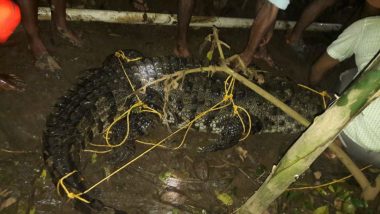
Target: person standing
[
  {"x": 361, "y": 137},
  {"x": 29, "y": 14},
  {"x": 260, "y": 34}
]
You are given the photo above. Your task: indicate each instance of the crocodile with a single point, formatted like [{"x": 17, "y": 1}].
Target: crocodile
[{"x": 104, "y": 93}]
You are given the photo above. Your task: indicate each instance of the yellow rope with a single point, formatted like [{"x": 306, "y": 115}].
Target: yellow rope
[
  {"x": 139, "y": 104},
  {"x": 229, "y": 95},
  {"x": 227, "y": 100},
  {"x": 188, "y": 126},
  {"x": 249, "y": 122},
  {"x": 69, "y": 194},
  {"x": 326, "y": 184},
  {"x": 323, "y": 94},
  {"x": 127, "y": 115},
  {"x": 120, "y": 54},
  {"x": 98, "y": 152}
]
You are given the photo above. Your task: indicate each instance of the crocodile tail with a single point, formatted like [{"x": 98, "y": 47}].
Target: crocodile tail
[{"x": 77, "y": 117}]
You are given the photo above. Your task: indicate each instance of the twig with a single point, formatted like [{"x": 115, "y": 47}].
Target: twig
[
  {"x": 16, "y": 152},
  {"x": 326, "y": 184},
  {"x": 218, "y": 44}
]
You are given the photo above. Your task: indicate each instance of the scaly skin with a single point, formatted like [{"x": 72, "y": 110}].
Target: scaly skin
[{"x": 101, "y": 96}]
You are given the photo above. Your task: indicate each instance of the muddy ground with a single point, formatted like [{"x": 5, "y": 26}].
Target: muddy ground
[{"x": 142, "y": 188}]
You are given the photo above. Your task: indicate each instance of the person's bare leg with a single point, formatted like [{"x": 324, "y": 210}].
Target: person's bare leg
[
  {"x": 309, "y": 15},
  {"x": 260, "y": 29},
  {"x": 185, "y": 9},
  {"x": 29, "y": 20},
  {"x": 262, "y": 52},
  {"x": 58, "y": 8}
]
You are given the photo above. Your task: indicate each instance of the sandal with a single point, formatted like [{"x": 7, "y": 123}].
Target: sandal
[
  {"x": 140, "y": 5},
  {"x": 11, "y": 82},
  {"x": 45, "y": 62}
]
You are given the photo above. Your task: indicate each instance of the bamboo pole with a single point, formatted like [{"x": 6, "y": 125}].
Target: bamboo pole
[
  {"x": 129, "y": 17},
  {"x": 314, "y": 141}
]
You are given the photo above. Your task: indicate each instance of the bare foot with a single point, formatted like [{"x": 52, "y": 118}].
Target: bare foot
[
  {"x": 295, "y": 41},
  {"x": 246, "y": 58},
  {"x": 292, "y": 37},
  {"x": 11, "y": 82},
  {"x": 263, "y": 54},
  {"x": 46, "y": 62},
  {"x": 181, "y": 51},
  {"x": 37, "y": 47},
  {"x": 43, "y": 59},
  {"x": 69, "y": 36},
  {"x": 140, "y": 5}
]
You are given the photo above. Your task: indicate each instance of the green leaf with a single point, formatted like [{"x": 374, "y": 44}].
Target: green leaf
[
  {"x": 322, "y": 192},
  {"x": 43, "y": 174},
  {"x": 165, "y": 176},
  {"x": 359, "y": 203},
  {"x": 348, "y": 208},
  {"x": 331, "y": 188},
  {"x": 32, "y": 211},
  {"x": 321, "y": 210},
  {"x": 209, "y": 54},
  {"x": 93, "y": 158},
  {"x": 225, "y": 198},
  {"x": 175, "y": 211},
  {"x": 344, "y": 194}
]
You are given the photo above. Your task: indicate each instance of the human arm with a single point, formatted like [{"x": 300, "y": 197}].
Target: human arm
[
  {"x": 324, "y": 64},
  {"x": 342, "y": 48}
]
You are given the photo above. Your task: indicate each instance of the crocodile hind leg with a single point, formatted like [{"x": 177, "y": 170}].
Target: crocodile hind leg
[{"x": 229, "y": 134}]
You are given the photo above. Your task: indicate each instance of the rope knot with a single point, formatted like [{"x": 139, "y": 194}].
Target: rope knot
[
  {"x": 235, "y": 108},
  {"x": 227, "y": 97},
  {"x": 139, "y": 103},
  {"x": 120, "y": 54},
  {"x": 323, "y": 94},
  {"x": 71, "y": 195}
]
